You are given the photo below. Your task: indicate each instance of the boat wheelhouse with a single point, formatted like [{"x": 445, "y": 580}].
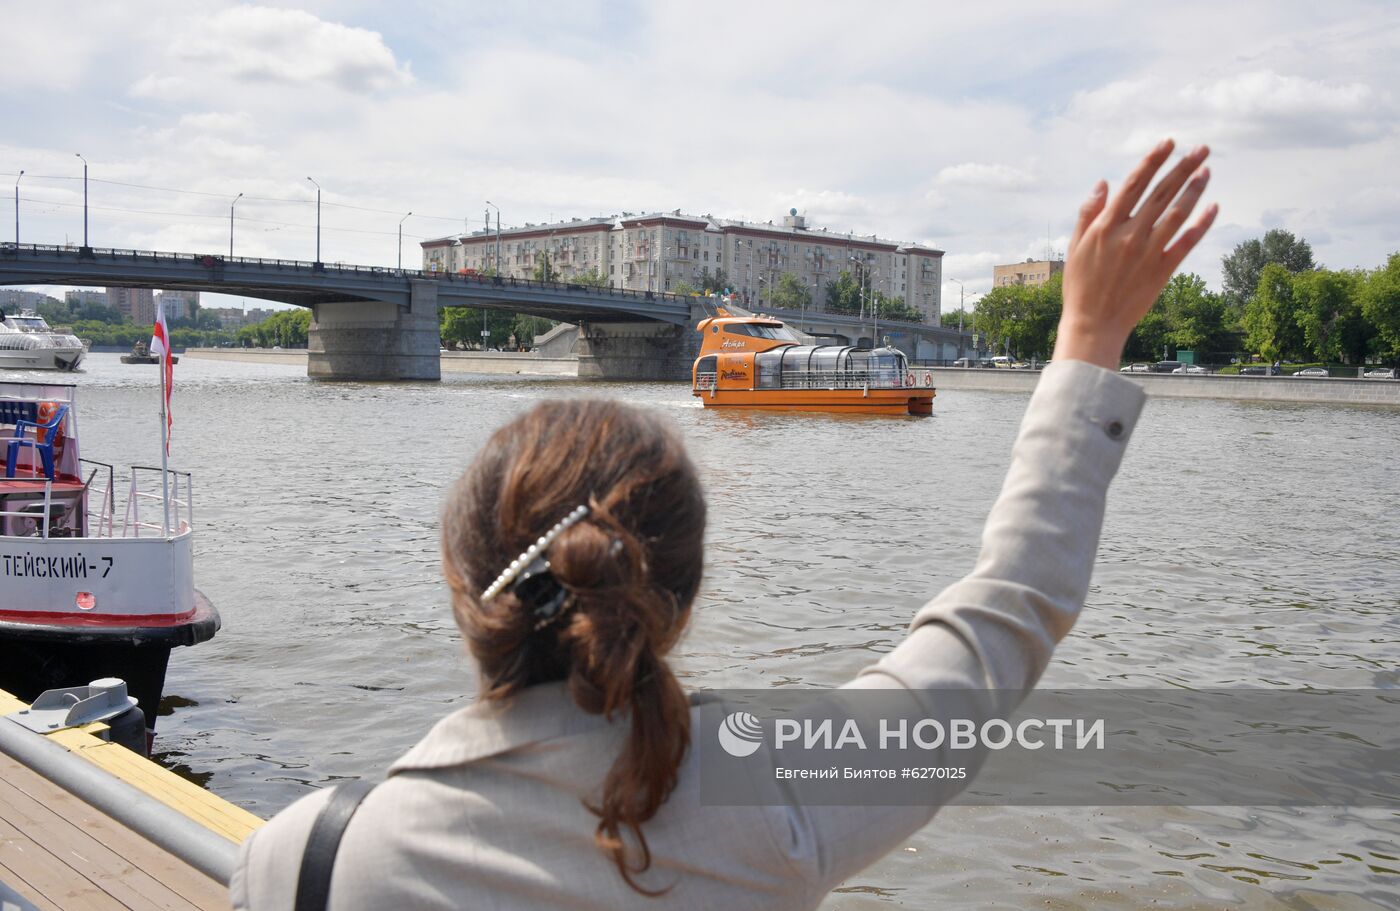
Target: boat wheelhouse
[
  {"x": 28, "y": 343},
  {"x": 758, "y": 362},
  {"x": 86, "y": 596}
]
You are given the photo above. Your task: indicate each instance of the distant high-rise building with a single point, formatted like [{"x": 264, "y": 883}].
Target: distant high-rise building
[
  {"x": 13, "y": 299},
  {"x": 662, "y": 250},
  {"x": 179, "y": 304},
  {"x": 77, "y": 300},
  {"x": 136, "y": 304},
  {"x": 1030, "y": 272}
]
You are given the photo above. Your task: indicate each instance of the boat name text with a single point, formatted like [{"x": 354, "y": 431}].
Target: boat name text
[{"x": 34, "y": 566}]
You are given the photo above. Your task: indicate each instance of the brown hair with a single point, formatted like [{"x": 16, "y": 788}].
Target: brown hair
[{"x": 630, "y": 568}]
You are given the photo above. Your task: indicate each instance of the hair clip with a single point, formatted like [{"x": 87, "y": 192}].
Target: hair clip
[{"x": 533, "y": 552}]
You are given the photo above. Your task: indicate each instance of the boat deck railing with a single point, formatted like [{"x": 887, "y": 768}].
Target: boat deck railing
[
  {"x": 818, "y": 379},
  {"x": 172, "y": 503}
]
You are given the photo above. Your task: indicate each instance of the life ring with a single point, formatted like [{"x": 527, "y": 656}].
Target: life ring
[
  {"x": 928, "y": 378},
  {"x": 46, "y": 411},
  {"x": 909, "y": 379}
]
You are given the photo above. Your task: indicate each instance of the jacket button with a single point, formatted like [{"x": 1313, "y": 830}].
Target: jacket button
[{"x": 1114, "y": 429}]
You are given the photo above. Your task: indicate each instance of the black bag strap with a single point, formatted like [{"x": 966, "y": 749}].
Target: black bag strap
[{"x": 318, "y": 860}]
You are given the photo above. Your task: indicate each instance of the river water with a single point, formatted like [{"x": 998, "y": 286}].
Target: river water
[{"x": 1246, "y": 544}]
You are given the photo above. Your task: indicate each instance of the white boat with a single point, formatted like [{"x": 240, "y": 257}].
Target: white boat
[
  {"x": 82, "y": 597},
  {"x": 28, "y": 343}
]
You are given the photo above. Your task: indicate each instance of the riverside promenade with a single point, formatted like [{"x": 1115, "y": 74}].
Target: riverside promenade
[
  {"x": 1322, "y": 391},
  {"x": 1328, "y": 391}
]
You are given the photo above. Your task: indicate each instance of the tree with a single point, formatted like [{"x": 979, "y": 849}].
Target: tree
[
  {"x": 844, "y": 295},
  {"x": 458, "y": 325},
  {"x": 684, "y": 288},
  {"x": 1270, "y": 324},
  {"x": 1149, "y": 338},
  {"x": 1328, "y": 311},
  {"x": 791, "y": 293},
  {"x": 894, "y": 308},
  {"x": 715, "y": 282},
  {"x": 1380, "y": 307},
  {"x": 1195, "y": 318},
  {"x": 590, "y": 279},
  {"x": 1243, "y": 267},
  {"x": 1021, "y": 318},
  {"x": 544, "y": 270},
  {"x": 525, "y": 327}
]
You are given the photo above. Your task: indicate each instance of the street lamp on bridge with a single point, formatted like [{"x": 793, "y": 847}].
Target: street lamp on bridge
[
  {"x": 318, "y": 221},
  {"x": 230, "y": 223},
  {"x": 401, "y": 221},
  {"x": 86, "y": 248},
  {"x": 17, "y": 180}
]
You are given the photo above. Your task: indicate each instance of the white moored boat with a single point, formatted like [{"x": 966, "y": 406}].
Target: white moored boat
[
  {"x": 81, "y": 596},
  {"x": 27, "y": 343}
]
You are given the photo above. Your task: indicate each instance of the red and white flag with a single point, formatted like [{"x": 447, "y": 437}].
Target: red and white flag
[{"x": 160, "y": 347}]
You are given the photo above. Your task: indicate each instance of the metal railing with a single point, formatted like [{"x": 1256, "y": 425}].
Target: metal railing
[
  {"x": 171, "y": 523},
  {"x": 823, "y": 379},
  {"x": 219, "y": 261},
  {"x": 27, "y": 513},
  {"x": 105, "y": 512}
]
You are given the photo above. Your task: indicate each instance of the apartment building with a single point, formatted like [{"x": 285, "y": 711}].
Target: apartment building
[
  {"x": 76, "y": 300},
  {"x": 1030, "y": 272},
  {"x": 179, "y": 304},
  {"x": 661, "y": 250},
  {"x": 136, "y": 304}
]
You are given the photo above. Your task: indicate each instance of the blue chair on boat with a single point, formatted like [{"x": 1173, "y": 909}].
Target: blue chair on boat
[{"x": 44, "y": 436}]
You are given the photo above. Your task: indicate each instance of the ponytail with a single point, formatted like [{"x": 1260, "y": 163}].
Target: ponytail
[{"x": 630, "y": 570}]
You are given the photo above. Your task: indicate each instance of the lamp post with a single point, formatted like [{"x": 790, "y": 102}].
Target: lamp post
[
  {"x": 17, "y": 180},
  {"x": 85, "y": 199},
  {"x": 230, "y": 223},
  {"x": 498, "y": 234},
  {"x": 401, "y": 221},
  {"x": 318, "y": 221}
]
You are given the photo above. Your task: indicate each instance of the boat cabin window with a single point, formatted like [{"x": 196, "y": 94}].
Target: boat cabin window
[{"x": 776, "y": 333}]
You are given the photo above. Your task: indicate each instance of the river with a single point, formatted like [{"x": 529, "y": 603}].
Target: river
[{"x": 1246, "y": 545}]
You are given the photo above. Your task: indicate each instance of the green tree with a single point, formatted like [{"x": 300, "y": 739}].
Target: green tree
[
  {"x": 1243, "y": 267},
  {"x": 1328, "y": 311},
  {"x": 1151, "y": 336},
  {"x": 1270, "y": 323},
  {"x": 590, "y": 279},
  {"x": 791, "y": 293},
  {"x": 458, "y": 326},
  {"x": 525, "y": 327},
  {"x": 1021, "y": 318},
  {"x": 894, "y": 308},
  {"x": 844, "y": 295},
  {"x": 684, "y": 288},
  {"x": 1195, "y": 318},
  {"x": 1380, "y": 307},
  {"x": 544, "y": 270},
  {"x": 716, "y": 282}
]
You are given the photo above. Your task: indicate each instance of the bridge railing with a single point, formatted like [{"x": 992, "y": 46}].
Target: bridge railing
[{"x": 215, "y": 262}]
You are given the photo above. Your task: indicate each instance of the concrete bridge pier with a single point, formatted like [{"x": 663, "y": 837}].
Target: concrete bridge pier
[
  {"x": 376, "y": 340},
  {"x": 638, "y": 351}
]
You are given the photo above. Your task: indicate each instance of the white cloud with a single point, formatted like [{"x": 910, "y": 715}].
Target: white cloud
[
  {"x": 979, "y": 176},
  {"x": 284, "y": 47},
  {"x": 217, "y": 122},
  {"x": 1259, "y": 109}
]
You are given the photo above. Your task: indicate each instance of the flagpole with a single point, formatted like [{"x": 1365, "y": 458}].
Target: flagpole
[{"x": 164, "y": 449}]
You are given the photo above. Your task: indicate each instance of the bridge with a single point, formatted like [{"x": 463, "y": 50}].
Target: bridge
[{"x": 375, "y": 323}]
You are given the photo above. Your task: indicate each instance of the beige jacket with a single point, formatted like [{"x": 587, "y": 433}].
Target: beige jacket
[{"x": 486, "y": 812}]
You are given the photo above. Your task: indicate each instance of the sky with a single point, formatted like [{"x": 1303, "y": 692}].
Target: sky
[{"x": 974, "y": 128}]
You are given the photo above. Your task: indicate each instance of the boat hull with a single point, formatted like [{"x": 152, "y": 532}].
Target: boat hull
[
  {"x": 840, "y": 401},
  {"x": 36, "y": 655},
  {"x": 62, "y": 359}
]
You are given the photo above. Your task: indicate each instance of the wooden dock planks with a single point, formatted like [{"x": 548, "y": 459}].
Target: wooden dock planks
[
  {"x": 60, "y": 853},
  {"x": 209, "y": 810}
]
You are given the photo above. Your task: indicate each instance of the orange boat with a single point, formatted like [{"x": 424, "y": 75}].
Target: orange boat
[{"x": 757, "y": 362}]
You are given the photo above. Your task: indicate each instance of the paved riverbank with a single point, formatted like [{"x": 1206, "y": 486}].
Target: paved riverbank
[
  {"x": 1332, "y": 390},
  {"x": 490, "y": 362}
]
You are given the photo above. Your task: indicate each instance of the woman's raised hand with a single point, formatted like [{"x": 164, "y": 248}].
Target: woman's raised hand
[{"x": 1119, "y": 260}]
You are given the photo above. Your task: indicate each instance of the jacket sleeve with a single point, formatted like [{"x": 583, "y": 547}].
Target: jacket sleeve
[{"x": 981, "y": 644}]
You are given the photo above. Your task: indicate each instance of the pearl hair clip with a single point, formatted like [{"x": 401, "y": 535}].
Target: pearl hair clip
[{"x": 532, "y": 553}]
